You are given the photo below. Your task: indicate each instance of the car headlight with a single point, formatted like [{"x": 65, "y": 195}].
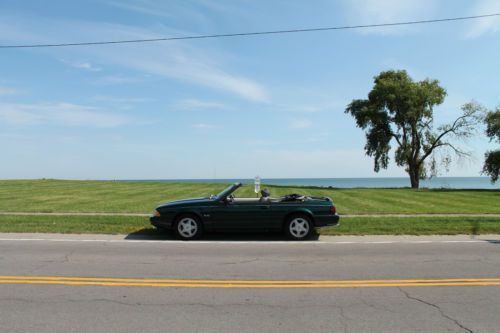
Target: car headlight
[{"x": 156, "y": 213}]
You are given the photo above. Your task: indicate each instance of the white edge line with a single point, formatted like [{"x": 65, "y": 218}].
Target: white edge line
[{"x": 231, "y": 242}]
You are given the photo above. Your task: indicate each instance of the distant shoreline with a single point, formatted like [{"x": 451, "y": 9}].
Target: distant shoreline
[{"x": 374, "y": 182}]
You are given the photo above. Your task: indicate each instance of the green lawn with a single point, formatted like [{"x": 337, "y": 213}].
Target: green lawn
[
  {"x": 142, "y": 197},
  {"x": 74, "y": 224},
  {"x": 348, "y": 226},
  {"x": 416, "y": 226}
]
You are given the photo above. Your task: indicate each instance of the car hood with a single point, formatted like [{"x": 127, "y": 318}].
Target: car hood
[{"x": 185, "y": 202}]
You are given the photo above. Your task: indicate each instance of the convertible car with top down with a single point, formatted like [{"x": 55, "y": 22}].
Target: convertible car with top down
[{"x": 294, "y": 214}]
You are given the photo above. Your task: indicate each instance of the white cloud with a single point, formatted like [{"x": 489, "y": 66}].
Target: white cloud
[
  {"x": 171, "y": 10},
  {"x": 144, "y": 7},
  {"x": 65, "y": 114},
  {"x": 360, "y": 12},
  {"x": 182, "y": 9},
  {"x": 193, "y": 104},
  {"x": 7, "y": 91},
  {"x": 203, "y": 126},
  {"x": 117, "y": 79},
  {"x": 188, "y": 64},
  {"x": 87, "y": 66},
  {"x": 193, "y": 66},
  {"x": 119, "y": 100},
  {"x": 300, "y": 124},
  {"x": 82, "y": 65},
  {"x": 175, "y": 60},
  {"x": 485, "y": 25}
]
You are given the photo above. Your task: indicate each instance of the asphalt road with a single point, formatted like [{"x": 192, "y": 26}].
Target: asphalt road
[{"x": 396, "y": 305}]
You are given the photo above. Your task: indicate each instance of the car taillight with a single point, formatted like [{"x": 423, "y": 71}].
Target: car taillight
[{"x": 333, "y": 210}]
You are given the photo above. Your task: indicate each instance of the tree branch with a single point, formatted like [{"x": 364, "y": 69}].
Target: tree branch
[
  {"x": 437, "y": 143},
  {"x": 455, "y": 149},
  {"x": 397, "y": 139}
]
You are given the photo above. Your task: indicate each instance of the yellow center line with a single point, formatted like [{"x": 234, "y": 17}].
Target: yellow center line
[
  {"x": 229, "y": 285},
  {"x": 71, "y": 278},
  {"x": 130, "y": 282}
]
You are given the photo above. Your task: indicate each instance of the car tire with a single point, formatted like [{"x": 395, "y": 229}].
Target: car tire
[
  {"x": 188, "y": 227},
  {"x": 298, "y": 227}
]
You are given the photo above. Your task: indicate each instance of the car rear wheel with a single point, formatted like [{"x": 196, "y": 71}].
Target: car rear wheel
[
  {"x": 298, "y": 227},
  {"x": 188, "y": 227}
]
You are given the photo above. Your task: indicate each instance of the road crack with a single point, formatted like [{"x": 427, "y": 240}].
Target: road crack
[
  {"x": 247, "y": 261},
  {"x": 441, "y": 312}
]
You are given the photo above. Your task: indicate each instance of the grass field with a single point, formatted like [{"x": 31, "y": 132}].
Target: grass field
[
  {"x": 348, "y": 226},
  {"x": 142, "y": 197},
  {"x": 74, "y": 224}
]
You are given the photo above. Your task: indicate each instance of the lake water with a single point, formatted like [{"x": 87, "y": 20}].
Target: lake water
[{"x": 437, "y": 182}]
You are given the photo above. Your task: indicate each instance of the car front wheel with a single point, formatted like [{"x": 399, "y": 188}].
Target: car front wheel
[
  {"x": 298, "y": 227},
  {"x": 188, "y": 227}
]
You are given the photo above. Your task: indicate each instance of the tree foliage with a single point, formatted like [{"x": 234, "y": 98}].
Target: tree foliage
[
  {"x": 492, "y": 158},
  {"x": 401, "y": 111}
]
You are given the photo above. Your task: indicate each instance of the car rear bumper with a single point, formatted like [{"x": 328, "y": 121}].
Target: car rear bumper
[
  {"x": 326, "y": 220},
  {"x": 158, "y": 223}
]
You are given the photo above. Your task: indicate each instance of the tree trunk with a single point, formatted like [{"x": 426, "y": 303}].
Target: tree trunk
[
  {"x": 414, "y": 176},
  {"x": 415, "y": 182}
]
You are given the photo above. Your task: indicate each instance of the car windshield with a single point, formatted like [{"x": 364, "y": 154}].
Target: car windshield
[{"x": 226, "y": 191}]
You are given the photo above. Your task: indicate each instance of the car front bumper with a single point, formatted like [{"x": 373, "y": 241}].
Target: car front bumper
[
  {"x": 326, "y": 220},
  {"x": 159, "y": 223}
]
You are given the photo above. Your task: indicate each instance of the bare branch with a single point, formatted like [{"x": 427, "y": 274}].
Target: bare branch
[
  {"x": 461, "y": 127},
  {"x": 456, "y": 150}
]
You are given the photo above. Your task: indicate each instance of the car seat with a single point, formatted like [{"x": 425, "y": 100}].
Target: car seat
[{"x": 265, "y": 195}]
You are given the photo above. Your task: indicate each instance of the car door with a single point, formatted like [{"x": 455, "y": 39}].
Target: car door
[
  {"x": 241, "y": 215},
  {"x": 280, "y": 210}
]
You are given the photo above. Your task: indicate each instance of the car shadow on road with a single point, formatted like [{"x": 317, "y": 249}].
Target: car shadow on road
[{"x": 155, "y": 235}]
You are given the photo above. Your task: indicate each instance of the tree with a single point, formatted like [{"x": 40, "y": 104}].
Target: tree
[
  {"x": 492, "y": 158},
  {"x": 401, "y": 111}
]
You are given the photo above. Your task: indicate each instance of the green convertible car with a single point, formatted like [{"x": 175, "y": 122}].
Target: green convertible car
[{"x": 296, "y": 215}]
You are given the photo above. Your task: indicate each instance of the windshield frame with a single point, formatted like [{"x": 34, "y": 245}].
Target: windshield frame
[{"x": 227, "y": 191}]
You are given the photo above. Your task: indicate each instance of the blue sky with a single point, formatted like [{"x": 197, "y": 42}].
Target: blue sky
[{"x": 232, "y": 107}]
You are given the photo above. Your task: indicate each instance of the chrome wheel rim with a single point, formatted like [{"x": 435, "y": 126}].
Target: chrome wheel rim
[
  {"x": 187, "y": 227},
  {"x": 299, "y": 227}
]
